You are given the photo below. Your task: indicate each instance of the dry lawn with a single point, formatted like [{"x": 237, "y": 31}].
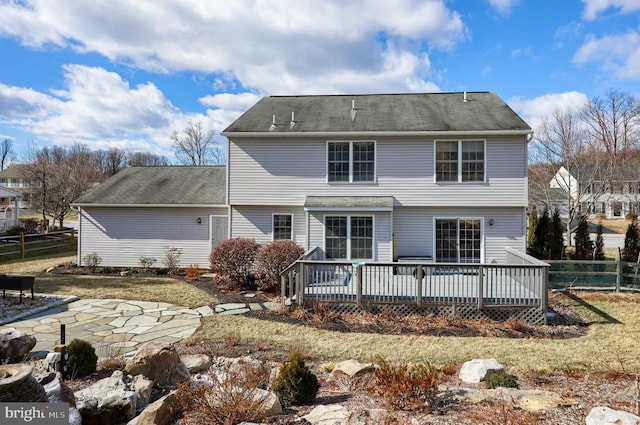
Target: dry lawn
[
  {"x": 611, "y": 344},
  {"x": 618, "y": 225},
  {"x": 159, "y": 289}
]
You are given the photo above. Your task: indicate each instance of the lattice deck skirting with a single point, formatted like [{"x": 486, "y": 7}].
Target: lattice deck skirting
[{"x": 532, "y": 315}]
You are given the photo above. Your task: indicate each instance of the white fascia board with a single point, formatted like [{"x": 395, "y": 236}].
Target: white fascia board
[
  {"x": 329, "y": 134},
  {"x": 358, "y": 209}
]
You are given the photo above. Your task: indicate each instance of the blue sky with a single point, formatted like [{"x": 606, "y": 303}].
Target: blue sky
[{"x": 127, "y": 74}]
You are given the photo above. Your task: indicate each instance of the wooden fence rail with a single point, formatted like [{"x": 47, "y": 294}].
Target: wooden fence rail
[
  {"x": 614, "y": 275},
  {"x": 20, "y": 245}
]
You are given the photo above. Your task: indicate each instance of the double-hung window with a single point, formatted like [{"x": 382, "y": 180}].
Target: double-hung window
[
  {"x": 282, "y": 225},
  {"x": 350, "y": 162},
  {"x": 460, "y": 161},
  {"x": 348, "y": 237}
]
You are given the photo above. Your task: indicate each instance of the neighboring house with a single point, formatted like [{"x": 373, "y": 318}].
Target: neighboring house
[
  {"x": 439, "y": 176},
  {"x": 142, "y": 211},
  {"x": 600, "y": 191},
  {"x": 9, "y": 212},
  {"x": 13, "y": 178}
]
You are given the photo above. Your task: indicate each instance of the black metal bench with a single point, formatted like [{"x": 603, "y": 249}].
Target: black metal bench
[{"x": 16, "y": 283}]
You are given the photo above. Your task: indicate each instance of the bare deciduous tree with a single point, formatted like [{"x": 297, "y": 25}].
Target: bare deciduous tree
[
  {"x": 138, "y": 159},
  {"x": 196, "y": 146},
  {"x": 109, "y": 162},
  {"x": 6, "y": 152}
]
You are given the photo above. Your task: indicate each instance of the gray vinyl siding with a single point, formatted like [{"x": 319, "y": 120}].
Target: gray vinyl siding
[
  {"x": 284, "y": 172},
  {"x": 256, "y": 222},
  {"x": 382, "y": 231},
  {"x": 120, "y": 236},
  {"x": 413, "y": 230}
]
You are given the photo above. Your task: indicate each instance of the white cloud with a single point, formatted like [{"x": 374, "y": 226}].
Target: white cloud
[
  {"x": 594, "y": 7},
  {"x": 534, "y": 110},
  {"x": 503, "y": 7},
  {"x": 252, "y": 38},
  {"x": 99, "y": 108},
  {"x": 619, "y": 54}
]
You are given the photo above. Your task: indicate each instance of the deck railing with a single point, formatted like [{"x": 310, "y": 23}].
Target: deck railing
[{"x": 522, "y": 284}]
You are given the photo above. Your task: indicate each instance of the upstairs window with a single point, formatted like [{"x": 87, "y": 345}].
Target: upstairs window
[
  {"x": 460, "y": 161},
  {"x": 350, "y": 162}
]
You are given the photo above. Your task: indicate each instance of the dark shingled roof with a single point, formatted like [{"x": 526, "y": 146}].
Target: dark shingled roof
[
  {"x": 483, "y": 111},
  {"x": 161, "y": 186}
]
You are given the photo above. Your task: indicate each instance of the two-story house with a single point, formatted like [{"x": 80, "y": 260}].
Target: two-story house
[
  {"x": 13, "y": 178},
  {"x": 441, "y": 176},
  {"x": 599, "y": 190}
]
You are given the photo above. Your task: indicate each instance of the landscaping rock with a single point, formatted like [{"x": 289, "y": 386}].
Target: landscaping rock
[
  {"x": 603, "y": 415},
  {"x": 269, "y": 402},
  {"x": 56, "y": 389},
  {"x": 158, "y": 361},
  {"x": 159, "y": 412},
  {"x": 196, "y": 362},
  {"x": 476, "y": 370},
  {"x": 532, "y": 400},
  {"x": 110, "y": 400},
  {"x": 334, "y": 414},
  {"x": 143, "y": 388},
  {"x": 350, "y": 368},
  {"x": 15, "y": 345}
]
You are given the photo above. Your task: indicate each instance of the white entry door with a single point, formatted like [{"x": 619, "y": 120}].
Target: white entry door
[{"x": 219, "y": 226}]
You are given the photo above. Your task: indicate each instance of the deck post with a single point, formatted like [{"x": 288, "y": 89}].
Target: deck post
[
  {"x": 358, "y": 272},
  {"x": 619, "y": 271},
  {"x": 419, "y": 277},
  {"x": 544, "y": 294},
  {"x": 283, "y": 290},
  {"x": 300, "y": 284},
  {"x": 480, "y": 286}
]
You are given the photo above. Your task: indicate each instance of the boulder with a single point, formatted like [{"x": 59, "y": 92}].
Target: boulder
[
  {"x": 159, "y": 412},
  {"x": 158, "y": 361},
  {"x": 15, "y": 345},
  {"x": 476, "y": 370},
  {"x": 335, "y": 414},
  {"x": 143, "y": 388},
  {"x": 56, "y": 389},
  {"x": 269, "y": 402},
  {"x": 196, "y": 362},
  {"x": 350, "y": 368},
  {"x": 110, "y": 400},
  {"x": 532, "y": 400},
  {"x": 603, "y": 415}
]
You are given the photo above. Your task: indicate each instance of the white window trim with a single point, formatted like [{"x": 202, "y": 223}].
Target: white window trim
[
  {"x": 348, "y": 248},
  {"x": 273, "y": 232},
  {"x": 351, "y": 142},
  {"x": 459, "y": 180},
  {"x": 482, "y": 235}
]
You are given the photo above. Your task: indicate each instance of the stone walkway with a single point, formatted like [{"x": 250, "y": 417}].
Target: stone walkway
[{"x": 115, "y": 326}]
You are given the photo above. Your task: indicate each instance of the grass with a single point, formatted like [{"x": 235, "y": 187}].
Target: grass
[
  {"x": 618, "y": 225},
  {"x": 611, "y": 344},
  {"x": 159, "y": 289}
]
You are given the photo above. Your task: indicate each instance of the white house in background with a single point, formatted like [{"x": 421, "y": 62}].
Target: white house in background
[
  {"x": 601, "y": 191},
  {"x": 10, "y": 211},
  {"x": 377, "y": 177},
  {"x": 142, "y": 211},
  {"x": 13, "y": 178}
]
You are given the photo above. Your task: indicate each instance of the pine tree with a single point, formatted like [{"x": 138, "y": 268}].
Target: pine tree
[
  {"x": 584, "y": 245},
  {"x": 540, "y": 245},
  {"x": 556, "y": 237},
  {"x": 631, "y": 242},
  {"x": 598, "y": 254},
  {"x": 531, "y": 227}
]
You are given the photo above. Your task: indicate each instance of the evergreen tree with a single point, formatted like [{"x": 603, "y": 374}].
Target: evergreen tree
[
  {"x": 540, "y": 245},
  {"x": 598, "y": 254},
  {"x": 556, "y": 237},
  {"x": 531, "y": 227},
  {"x": 584, "y": 245},
  {"x": 631, "y": 242}
]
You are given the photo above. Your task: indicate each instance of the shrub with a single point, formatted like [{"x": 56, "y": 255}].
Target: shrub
[
  {"x": 146, "y": 262},
  {"x": 82, "y": 359},
  {"x": 232, "y": 400},
  {"x": 92, "y": 260},
  {"x": 631, "y": 242},
  {"x": 295, "y": 383},
  {"x": 233, "y": 260},
  {"x": 15, "y": 231},
  {"x": 501, "y": 380},
  {"x": 193, "y": 273},
  {"x": 30, "y": 225},
  {"x": 406, "y": 387},
  {"x": 172, "y": 258},
  {"x": 272, "y": 259}
]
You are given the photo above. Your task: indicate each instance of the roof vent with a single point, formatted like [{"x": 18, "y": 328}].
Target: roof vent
[
  {"x": 273, "y": 123},
  {"x": 293, "y": 119},
  {"x": 353, "y": 109},
  {"x": 464, "y": 97}
]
